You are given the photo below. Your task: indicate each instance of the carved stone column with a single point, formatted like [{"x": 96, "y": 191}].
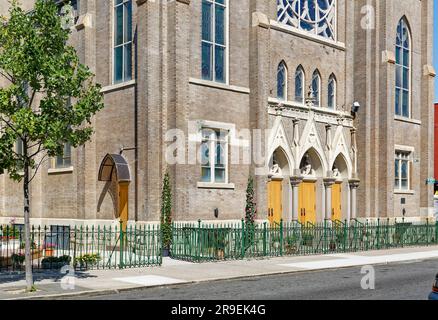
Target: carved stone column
[
  {"x": 295, "y": 184},
  {"x": 296, "y": 140},
  {"x": 328, "y": 141},
  {"x": 328, "y": 183},
  {"x": 354, "y": 184}
]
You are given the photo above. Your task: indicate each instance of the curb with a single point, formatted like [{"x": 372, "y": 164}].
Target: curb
[{"x": 98, "y": 292}]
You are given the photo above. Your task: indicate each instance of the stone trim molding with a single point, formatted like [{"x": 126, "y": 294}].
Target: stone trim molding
[
  {"x": 60, "y": 170},
  {"x": 295, "y": 181},
  {"x": 209, "y": 185},
  {"x": 328, "y": 182},
  {"x": 217, "y": 85},
  {"x": 118, "y": 86},
  {"x": 183, "y": 1},
  {"x": 354, "y": 183},
  {"x": 408, "y": 120},
  {"x": 429, "y": 70},
  {"x": 84, "y": 21},
  {"x": 140, "y": 2},
  {"x": 260, "y": 20},
  {"x": 388, "y": 57},
  {"x": 275, "y": 25}
]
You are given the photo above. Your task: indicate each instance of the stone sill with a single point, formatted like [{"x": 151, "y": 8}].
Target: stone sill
[
  {"x": 218, "y": 85},
  {"x": 118, "y": 86},
  {"x": 209, "y": 185},
  {"x": 306, "y": 35},
  {"x": 60, "y": 170},
  {"x": 408, "y": 192},
  {"x": 408, "y": 120}
]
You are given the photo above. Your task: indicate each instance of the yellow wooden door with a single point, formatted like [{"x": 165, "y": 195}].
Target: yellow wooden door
[
  {"x": 275, "y": 203},
  {"x": 123, "y": 204},
  {"x": 336, "y": 202},
  {"x": 307, "y": 202}
]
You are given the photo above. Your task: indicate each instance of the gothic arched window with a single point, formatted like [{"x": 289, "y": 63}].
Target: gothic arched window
[
  {"x": 282, "y": 81},
  {"x": 299, "y": 85},
  {"x": 315, "y": 16},
  {"x": 331, "y": 92},
  {"x": 316, "y": 88},
  {"x": 402, "y": 69}
]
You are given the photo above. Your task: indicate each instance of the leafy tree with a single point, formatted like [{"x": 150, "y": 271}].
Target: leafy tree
[
  {"x": 47, "y": 97},
  {"x": 166, "y": 212}
]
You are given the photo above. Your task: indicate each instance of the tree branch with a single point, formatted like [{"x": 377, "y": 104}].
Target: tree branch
[
  {"x": 31, "y": 99},
  {"x": 38, "y": 166}
]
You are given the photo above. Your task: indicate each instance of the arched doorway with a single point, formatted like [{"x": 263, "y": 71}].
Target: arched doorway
[
  {"x": 311, "y": 169},
  {"x": 340, "y": 174},
  {"x": 115, "y": 167},
  {"x": 278, "y": 187}
]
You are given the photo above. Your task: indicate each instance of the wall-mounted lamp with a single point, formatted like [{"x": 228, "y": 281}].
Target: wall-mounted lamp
[{"x": 216, "y": 213}]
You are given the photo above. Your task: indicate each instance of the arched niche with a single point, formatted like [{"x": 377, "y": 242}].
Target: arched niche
[
  {"x": 340, "y": 168},
  {"x": 311, "y": 165}
]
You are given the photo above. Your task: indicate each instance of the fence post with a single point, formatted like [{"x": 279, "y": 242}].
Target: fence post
[
  {"x": 436, "y": 231},
  {"x": 243, "y": 239},
  {"x": 378, "y": 233},
  {"x": 281, "y": 237},
  {"x": 264, "y": 239},
  {"x": 121, "y": 245},
  {"x": 427, "y": 231},
  {"x": 198, "y": 253}
]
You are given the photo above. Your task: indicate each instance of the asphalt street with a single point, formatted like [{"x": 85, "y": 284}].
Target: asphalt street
[{"x": 402, "y": 281}]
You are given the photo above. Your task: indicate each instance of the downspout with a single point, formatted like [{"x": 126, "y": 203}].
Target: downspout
[{"x": 136, "y": 124}]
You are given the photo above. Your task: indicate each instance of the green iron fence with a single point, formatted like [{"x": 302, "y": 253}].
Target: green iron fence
[
  {"x": 200, "y": 242},
  {"x": 83, "y": 247}
]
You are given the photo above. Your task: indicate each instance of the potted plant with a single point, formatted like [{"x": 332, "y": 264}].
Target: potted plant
[
  {"x": 87, "y": 261},
  {"x": 49, "y": 249}
]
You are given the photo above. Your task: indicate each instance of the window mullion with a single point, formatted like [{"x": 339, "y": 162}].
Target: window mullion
[
  {"x": 212, "y": 158},
  {"x": 213, "y": 38}
]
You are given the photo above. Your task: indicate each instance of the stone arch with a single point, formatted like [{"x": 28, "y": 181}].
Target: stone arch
[
  {"x": 343, "y": 165},
  {"x": 317, "y": 164},
  {"x": 278, "y": 141},
  {"x": 279, "y": 164}
]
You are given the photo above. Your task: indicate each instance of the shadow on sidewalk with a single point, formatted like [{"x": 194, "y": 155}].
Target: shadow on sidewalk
[{"x": 55, "y": 276}]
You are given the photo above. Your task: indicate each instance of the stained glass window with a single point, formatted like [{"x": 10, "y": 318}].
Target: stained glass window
[
  {"x": 402, "y": 70},
  {"x": 299, "y": 85},
  {"x": 316, "y": 88},
  {"x": 281, "y": 81},
  {"x": 214, "y": 23},
  {"x": 315, "y": 16},
  {"x": 122, "y": 40}
]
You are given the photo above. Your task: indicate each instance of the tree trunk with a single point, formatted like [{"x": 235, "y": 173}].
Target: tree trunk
[{"x": 27, "y": 235}]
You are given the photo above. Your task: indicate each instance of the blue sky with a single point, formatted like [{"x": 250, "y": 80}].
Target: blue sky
[{"x": 435, "y": 50}]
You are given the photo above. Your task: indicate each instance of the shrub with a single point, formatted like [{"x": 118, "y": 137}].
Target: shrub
[
  {"x": 17, "y": 259},
  {"x": 166, "y": 213},
  {"x": 88, "y": 260}
]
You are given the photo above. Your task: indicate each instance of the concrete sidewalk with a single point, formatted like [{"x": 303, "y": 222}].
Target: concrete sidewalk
[{"x": 173, "y": 272}]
